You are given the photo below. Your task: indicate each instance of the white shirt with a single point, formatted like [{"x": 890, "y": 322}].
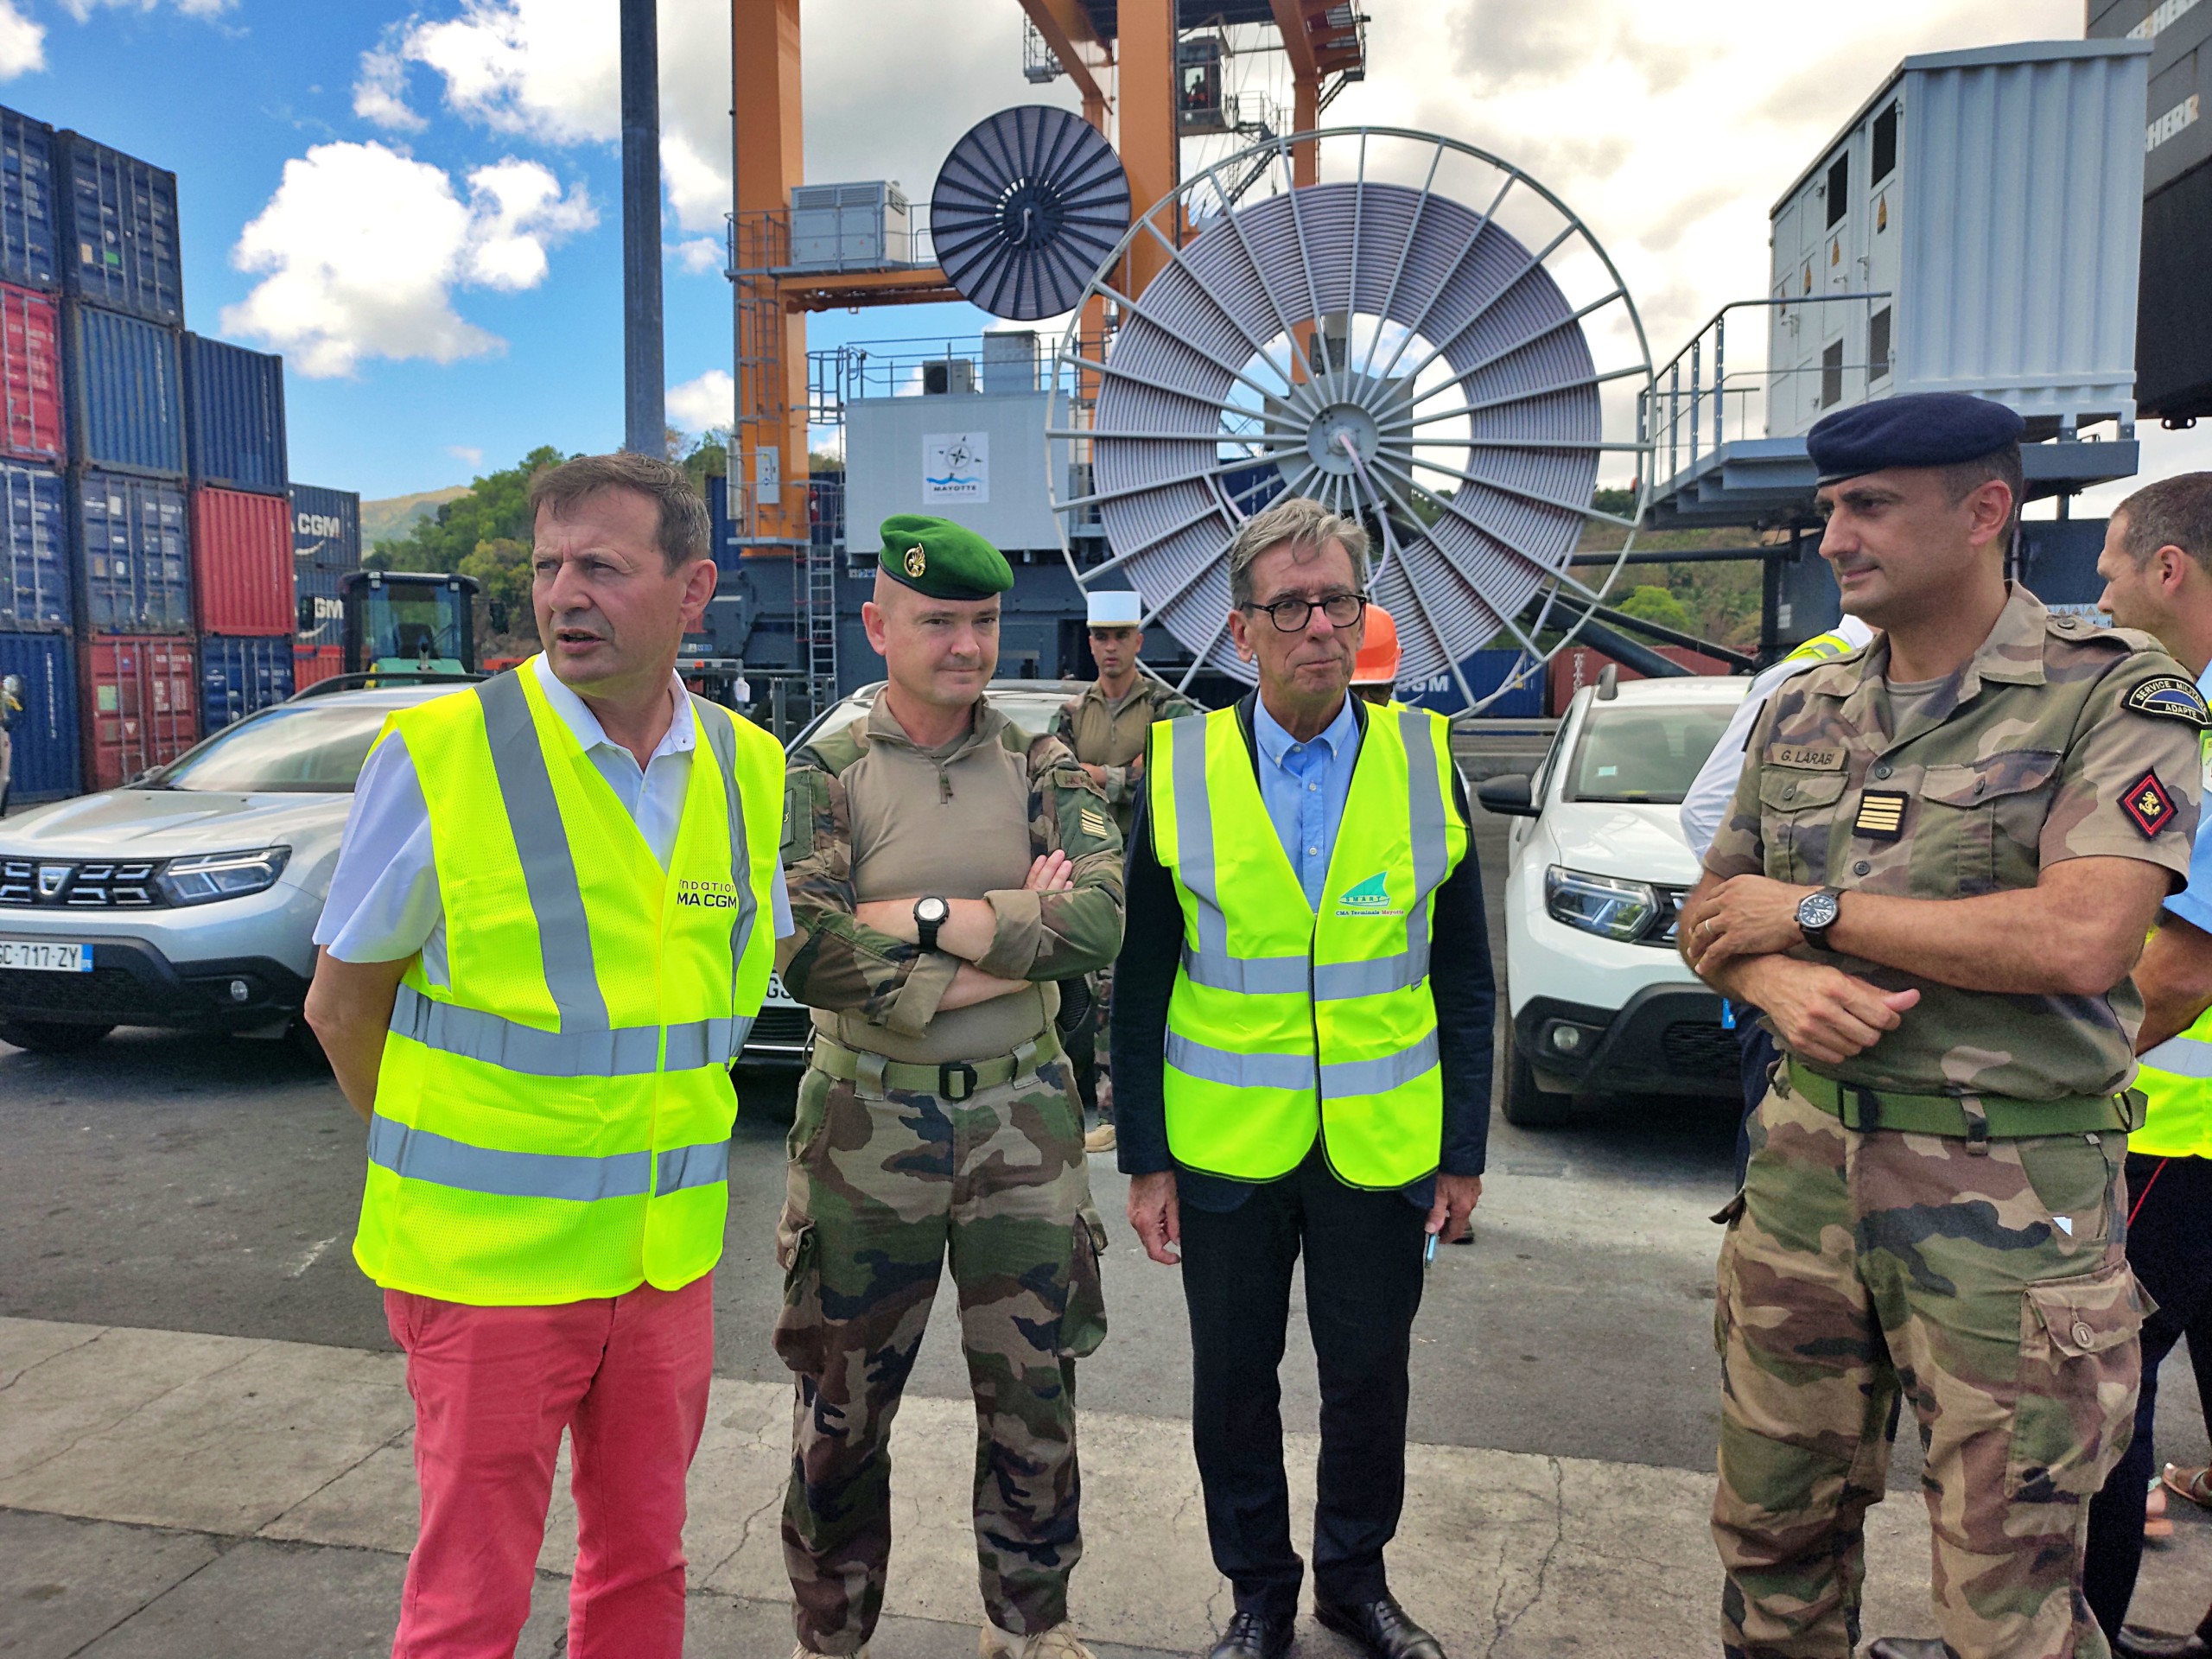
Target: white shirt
[
  {"x": 1707, "y": 801},
  {"x": 383, "y": 902}
]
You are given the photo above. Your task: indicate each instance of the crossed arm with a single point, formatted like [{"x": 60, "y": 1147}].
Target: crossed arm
[{"x": 2076, "y": 932}]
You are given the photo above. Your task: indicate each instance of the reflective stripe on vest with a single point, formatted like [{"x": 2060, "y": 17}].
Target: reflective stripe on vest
[
  {"x": 2175, "y": 1078},
  {"x": 539, "y": 1136},
  {"x": 1269, "y": 1046}
]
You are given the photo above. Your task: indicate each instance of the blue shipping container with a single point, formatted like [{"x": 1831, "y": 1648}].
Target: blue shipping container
[
  {"x": 134, "y": 550},
  {"x": 240, "y": 674},
  {"x": 319, "y": 603},
  {"x": 234, "y": 416},
  {"x": 123, "y": 384},
  {"x": 34, "y": 548},
  {"x": 119, "y": 245},
  {"x": 27, "y": 205},
  {"x": 47, "y": 765},
  {"x": 1485, "y": 672},
  {"x": 327, "y": 527}
]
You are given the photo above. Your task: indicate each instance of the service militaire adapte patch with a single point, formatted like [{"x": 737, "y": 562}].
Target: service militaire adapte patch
[{"x": 2169, "y": 697}]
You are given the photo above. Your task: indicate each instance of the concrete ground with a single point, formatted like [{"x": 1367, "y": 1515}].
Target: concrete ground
[{"x": 204, "y": 1430}]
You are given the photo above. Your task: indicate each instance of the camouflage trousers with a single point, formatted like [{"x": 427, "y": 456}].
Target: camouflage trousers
[
  {"x": 880, "y": 1192},
  {"x": 1989, "y": 1291},
  {"x": 1102, "y": 1022}
]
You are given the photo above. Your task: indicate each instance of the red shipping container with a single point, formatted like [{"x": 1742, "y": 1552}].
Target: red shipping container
[
  {"x": 313, "y": 664},
  {"x": 242, "y": 577},
  {"x": 30, "y": 375},
  {"x": 1579, "y": 665},
  {"x": 140, "y": 705}
]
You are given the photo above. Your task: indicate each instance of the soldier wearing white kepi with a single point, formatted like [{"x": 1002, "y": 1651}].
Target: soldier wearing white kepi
[{"x": 1106, "y": 727}]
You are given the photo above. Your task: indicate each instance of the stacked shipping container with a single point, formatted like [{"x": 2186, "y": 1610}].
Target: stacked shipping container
[
  {"x": 326, "y": 545},
  {"x": 37, "y": 604}
]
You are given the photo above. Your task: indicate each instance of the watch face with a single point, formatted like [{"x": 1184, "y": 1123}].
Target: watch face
[
  {"x": 1819, "y": 910},
  {"x": 932, "y": 910}
]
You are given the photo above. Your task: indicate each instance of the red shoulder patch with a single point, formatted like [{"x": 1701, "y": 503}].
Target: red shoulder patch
[{"x": 2148, "y": 804}]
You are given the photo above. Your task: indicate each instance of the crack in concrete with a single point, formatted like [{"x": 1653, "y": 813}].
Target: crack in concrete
[
  {"x": 1501, "y": 1627},
  {"x": 744, "y": 1536},
  {"x": 96, "y": 1431},
  {"x": 305, "y": 1498},
  {"x": 57, "y": 1353}
]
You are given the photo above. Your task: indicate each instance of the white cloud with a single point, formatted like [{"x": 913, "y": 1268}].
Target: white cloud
[
  {"x": 466, "y": 454},
  {"x": 364, "y": 246},
  {"x": 381, "y": 92},
  {"x": 23, "y": 42},
  {"x": 709, "y": 401},
  {"x": 699, "y": 256}
]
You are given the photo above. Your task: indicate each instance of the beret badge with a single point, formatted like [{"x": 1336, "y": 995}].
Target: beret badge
[{"x": 916, "y": 562}]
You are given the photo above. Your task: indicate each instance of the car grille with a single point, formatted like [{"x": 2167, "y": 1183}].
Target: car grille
[
  {"x": 1664, "y": 926},
  {"x": 79, "y": 884},
  {"x": 104, "y": 990},
  {"x": 778, "y": 1028},
  {"x": 1694, "y": 1049}
]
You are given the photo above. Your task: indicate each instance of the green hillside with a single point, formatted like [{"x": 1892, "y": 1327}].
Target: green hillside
[{"x": 395, "y": 515}]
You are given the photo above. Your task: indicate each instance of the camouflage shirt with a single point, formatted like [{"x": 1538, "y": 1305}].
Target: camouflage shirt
[
  {"x": 869, "y": 814},
  {"x": 1112, "y": 736},
  {"x": 2059, "y": 739}
]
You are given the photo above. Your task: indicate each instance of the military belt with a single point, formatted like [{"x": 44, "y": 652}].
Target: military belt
[
  {"x": 954, "y": 1080},
  {"x": 1968, "y": 1117}
]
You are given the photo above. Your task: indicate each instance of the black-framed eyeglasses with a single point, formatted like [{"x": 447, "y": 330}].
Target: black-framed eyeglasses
[{"x": 1292, "y": 615}]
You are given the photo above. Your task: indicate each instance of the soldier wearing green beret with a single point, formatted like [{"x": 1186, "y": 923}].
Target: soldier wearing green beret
[{"x": 944, "y": 871}]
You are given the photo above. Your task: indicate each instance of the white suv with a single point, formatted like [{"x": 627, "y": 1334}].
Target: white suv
[{"x": 1596, "y": 873}]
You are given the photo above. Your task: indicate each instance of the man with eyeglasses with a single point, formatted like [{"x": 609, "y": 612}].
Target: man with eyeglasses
[
  {"x": 1301, "y": 1047},
  {"x": 1106, "y": 727}
]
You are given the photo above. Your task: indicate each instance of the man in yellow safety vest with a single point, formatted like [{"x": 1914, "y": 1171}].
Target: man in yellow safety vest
[
  {"x": 1302, "y": 1044},
  {"x": 2157, "y": 569},
  {"x": 551, "y": 922}
]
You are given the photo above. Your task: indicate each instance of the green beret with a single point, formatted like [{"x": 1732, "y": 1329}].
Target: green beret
[{"x": 941, "y": 559}]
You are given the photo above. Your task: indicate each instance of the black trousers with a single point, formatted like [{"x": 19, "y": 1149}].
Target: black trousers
[
  {"x": 1363, "y": 1286},
  {"x": 1759, "y": 1051},
  {"x": 2170, "y": 1246}
]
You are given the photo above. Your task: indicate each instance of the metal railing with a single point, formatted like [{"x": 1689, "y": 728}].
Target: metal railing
[
  {"x": 761, "y": 244},
  {"x": 1007, "y": 362},
  {"x": 1703, "y": 400}
]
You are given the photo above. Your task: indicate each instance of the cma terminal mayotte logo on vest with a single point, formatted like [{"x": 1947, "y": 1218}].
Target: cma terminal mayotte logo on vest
[
  {"x": 707, "y": 895},
  {"x": 1368, "y": 898}
]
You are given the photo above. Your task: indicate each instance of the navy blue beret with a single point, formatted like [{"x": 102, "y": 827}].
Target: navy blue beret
[{"x": 1924, "y": 429}]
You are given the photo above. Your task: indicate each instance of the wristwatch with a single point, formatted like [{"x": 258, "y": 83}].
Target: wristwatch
[
  {"x": 1816, "y": 914},
  {"x": 930, "y": 914}
]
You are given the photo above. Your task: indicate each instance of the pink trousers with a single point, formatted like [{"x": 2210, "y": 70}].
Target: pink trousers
[{"x": 493, "y": 1387}]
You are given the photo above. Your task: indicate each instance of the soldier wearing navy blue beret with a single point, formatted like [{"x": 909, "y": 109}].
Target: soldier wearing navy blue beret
[{"x": 1941, "y": 862}]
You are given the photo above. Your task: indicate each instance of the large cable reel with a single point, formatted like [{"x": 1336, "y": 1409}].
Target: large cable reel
[
  {"x": 1452, "y": 376},
  {"x": 1025, "y": 205}
]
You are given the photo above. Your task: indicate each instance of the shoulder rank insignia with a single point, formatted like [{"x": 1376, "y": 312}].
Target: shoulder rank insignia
[
  {"x": 2148, "y": 804},
  {"x": 1881, "y": 814},
  {"x": 1094, "y": 822},
  {"x": 2171, "y": 698}
]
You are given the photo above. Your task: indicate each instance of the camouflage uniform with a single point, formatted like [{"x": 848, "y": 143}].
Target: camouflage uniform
[
  {"x": 1978, "y": 1275},
  {"x": 886, "y": 1178},
  {"x": 1113, "y": 736}
]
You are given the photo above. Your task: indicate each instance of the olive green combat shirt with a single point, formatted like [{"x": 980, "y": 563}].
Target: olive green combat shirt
[
  {"x": 870, "y": 814},
  {"x": 2057, "y": 740},
  {"x": 1112, "y": 735}
]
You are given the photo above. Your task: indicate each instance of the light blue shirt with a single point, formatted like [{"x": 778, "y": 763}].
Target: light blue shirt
[
  {"x": 1305, "y": 786},
  {"x": 2193, "y": 903}
]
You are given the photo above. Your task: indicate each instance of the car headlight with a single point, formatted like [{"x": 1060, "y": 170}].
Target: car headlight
[
  {"x": 1603, "y": 904},
  {"x": 205, "y": 877}
]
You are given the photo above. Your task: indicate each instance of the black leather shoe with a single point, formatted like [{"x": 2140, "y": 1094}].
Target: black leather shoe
[
  {"x": 1380, "y": 1627},
  {"x": 1908, "y": 1647},
  {"x": 2133, "y": 1642},
  {"x": 1254, "y": 1636}
]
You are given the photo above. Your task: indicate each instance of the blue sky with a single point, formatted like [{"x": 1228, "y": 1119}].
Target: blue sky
[{"x": 426, "y": 191}]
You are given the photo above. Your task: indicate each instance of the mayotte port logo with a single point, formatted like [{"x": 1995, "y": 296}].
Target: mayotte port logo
[{"x": 1368, "y": 898}]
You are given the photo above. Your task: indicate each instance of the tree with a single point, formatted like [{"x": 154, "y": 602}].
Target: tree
[
  {"x": 496, "y": 508},
  {"x": 501, "y": 567},
  {"x": 1652, "y": 603}
]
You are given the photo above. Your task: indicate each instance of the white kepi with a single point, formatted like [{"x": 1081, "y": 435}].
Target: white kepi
[{"x": 1116, "y": 607}]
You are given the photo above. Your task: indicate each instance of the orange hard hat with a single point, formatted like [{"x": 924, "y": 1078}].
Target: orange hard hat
[{"x": 1377, "y": 662}]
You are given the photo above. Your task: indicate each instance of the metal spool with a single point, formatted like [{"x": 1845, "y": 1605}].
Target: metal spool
[
  {"x": 1452, "y": 375},
  {"x": 1025, "y": 207}
]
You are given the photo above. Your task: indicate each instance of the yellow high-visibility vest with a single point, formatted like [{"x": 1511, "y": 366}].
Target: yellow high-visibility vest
[
  {"x": 2175, "y": 1078},
  {"x": 1284, "y": 1024},
  {"x": 554, "y": 1124}
]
